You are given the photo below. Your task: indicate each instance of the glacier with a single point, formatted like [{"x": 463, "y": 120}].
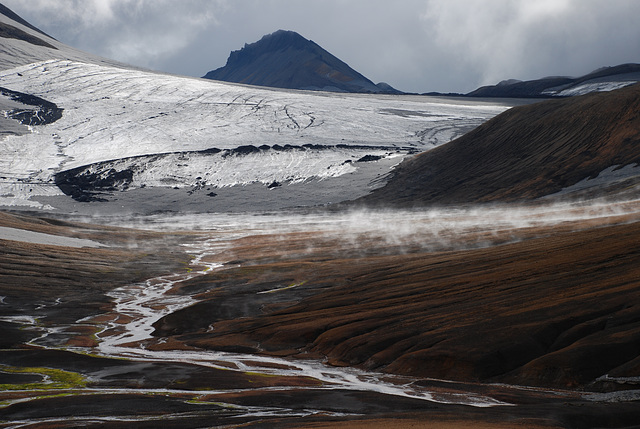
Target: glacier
[{"x": 178, "y": 132}]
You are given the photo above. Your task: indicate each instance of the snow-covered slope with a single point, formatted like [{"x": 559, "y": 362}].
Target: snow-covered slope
[
  {"x": 28, "y": 45},
  {"x": 113, "y": 113}
]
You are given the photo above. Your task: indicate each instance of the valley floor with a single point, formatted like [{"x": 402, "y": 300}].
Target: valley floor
[{"x": 325, "y": 319}]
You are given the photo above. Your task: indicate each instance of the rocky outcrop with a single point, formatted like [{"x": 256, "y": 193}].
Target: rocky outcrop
[
  {"x": 37, "y": 111},
  {"x": 10, "y": 32}
]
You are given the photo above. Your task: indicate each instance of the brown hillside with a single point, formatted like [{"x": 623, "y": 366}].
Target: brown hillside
[
  {"x": 65, "y": 283},
  {"x": 558, "y": 310},
  {"x": 526, "y": 152}
]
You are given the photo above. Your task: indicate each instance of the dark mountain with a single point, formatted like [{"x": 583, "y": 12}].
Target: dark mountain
[
  {"x": 15, "y": 17},
  {"x": 529, "y": 152},
  {"x": 8, "y": 31},
  {"x": 606, "y": 78},
  {"x": 285, "y": 59}
]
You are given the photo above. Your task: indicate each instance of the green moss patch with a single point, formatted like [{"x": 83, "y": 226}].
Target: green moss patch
[{"x": 49, "y": 378}]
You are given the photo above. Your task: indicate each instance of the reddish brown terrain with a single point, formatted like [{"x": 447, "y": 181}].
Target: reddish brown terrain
[
  {"x": 558, "y": 310},
  {"x": 551, "y": 306},
  {"x": 475, "y": 315},
  {"x": 35, "y": 275}
]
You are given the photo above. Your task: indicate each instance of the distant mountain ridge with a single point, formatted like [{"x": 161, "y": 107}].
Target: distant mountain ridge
[
  {"x": 603, "y": 79},
  {"x": 285, "y": 59}
]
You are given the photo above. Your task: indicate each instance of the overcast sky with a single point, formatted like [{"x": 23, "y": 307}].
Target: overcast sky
[{"x": 414, "y": 45}]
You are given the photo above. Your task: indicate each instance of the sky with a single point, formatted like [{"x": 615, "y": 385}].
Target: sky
[{"x": 414, "y": 45}]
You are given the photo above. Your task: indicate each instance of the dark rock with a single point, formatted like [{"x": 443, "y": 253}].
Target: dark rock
[
  {"x": 212, "y": 151},
  {"x": 369, "y": 158},
  {"x": 11, "y": 335},
  {"x": 10, "y": 32},
  {"x": 245, "y": 150},
  {"x": 82, "y": 184},
  {"x": 44, "y": 112},
  {"x": 240, "y": 150}
]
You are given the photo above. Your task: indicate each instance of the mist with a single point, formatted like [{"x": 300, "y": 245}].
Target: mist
[{"x": 392, "y": 231}]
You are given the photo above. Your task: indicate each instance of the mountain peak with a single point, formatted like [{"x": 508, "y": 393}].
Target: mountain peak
[
  {"x": 269, "y": 44},
  {"x": 285, "y": 59},
  {"x": 277, "y": 40},
  {"x": 284, "y": 36}
]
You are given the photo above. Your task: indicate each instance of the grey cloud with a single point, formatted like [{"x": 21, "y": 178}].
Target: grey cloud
[
  {"x": 415, "y": 45},
  {"x": 503, "y": 39},
  {"x": 141, "y": 32}
]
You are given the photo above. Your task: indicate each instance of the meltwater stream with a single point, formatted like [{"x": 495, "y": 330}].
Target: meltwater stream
[
  {"x": 144, "y": 304},
  {"x": 138, "y": 306},
  {"x": 141, "y": 305}
]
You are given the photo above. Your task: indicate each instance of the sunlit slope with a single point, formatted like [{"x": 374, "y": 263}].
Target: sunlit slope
[
  {"x": 585, "y": 146},
  {"x": 113, "y": 113}
]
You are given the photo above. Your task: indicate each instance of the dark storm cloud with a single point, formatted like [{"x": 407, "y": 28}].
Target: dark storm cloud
[
  {"x": 415, "y": 45},
  {"x": 501, "y": 39}
]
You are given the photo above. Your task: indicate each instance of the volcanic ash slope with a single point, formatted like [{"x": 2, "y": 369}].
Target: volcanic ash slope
[{"x": 582, "y": 146}]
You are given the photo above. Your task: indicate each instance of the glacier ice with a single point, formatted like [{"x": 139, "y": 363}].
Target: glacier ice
[{"x": 116, "y": 114}]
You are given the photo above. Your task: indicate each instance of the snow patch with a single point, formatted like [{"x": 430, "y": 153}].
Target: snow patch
[
  {"x": 14, "y": 234},
  {"x": 606, "y": 177},
  {"x": 588, "y": 87}
]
